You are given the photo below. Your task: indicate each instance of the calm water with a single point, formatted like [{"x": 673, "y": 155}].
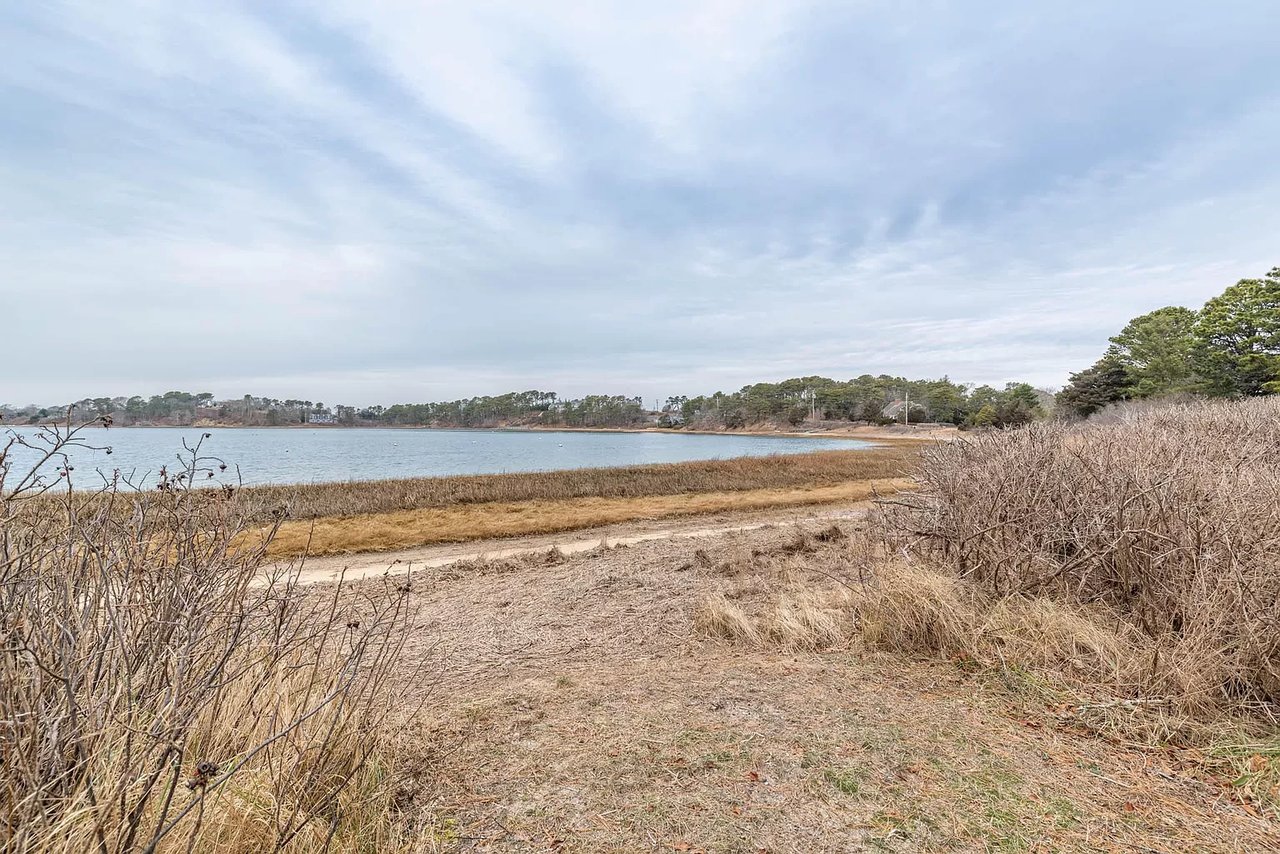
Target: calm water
[{"x": 306, "y": 455}]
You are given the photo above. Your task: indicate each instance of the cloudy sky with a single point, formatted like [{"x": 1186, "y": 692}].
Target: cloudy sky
[{"x": 368, "y": 202}]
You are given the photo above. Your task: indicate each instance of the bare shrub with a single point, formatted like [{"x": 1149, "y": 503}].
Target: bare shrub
[
  {"x": 1169, "y": 517},
  {"x": 160, "y": 692}
]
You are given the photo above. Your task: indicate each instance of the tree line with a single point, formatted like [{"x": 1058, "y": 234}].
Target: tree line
[
  {"x": 1228, "y": 348},
  {"x": 873, "y": 399},
  {"x": 180, "y": 408}
]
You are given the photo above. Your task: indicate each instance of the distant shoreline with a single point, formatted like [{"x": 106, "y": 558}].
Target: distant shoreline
[{"x": 866, "y": 433}]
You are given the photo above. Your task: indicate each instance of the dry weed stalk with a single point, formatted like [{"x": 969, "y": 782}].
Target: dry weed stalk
[{"x": 157, "y": 693}]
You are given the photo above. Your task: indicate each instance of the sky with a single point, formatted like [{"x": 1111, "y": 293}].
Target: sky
[{"x": 371, "y": 202}]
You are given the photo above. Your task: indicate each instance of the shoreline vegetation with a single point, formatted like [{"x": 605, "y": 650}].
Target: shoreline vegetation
[
  {"x": 865, "y": 432},
  {"x": 368, "y": 516},
  {"x": 405, "y": 529},
  {"x": 350, "y": 517}
]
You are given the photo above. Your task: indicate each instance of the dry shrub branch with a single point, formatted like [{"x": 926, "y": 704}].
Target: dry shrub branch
[
  {"x": 159, "y": 693},
  {"x": 1168, "y": 519}
]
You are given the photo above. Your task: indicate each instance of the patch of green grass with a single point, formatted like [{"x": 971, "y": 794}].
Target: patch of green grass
[
  {"x": 889, "y": 826},
  {"x": 882, "y": 739},
  {"x": 703, "y": 749},
  {"x": 716, "y": 758},
  {"x": 1092, "y": 767},
  {"x": 1254, "y": 766},
  {"x": 445, "y": 832},
  {"x": 847, "y": 781},
  {"x": 1030, "y": 684}
]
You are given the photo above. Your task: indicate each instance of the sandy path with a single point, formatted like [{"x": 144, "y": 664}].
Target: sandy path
[{"x": 352, "y": 567}]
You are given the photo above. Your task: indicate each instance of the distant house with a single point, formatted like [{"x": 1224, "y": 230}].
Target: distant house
[
  {"x": 894, "y": 409},
  {"x": 321, "y": 418},
  {"x": 894, "y": 412},
  {"x": 669, "y": 418}
]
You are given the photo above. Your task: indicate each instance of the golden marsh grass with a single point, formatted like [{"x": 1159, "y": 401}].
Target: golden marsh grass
[
  {"x": 345, "y": 518},
  {"x": 408, "y": 528},
  {"x": 824, "y": 468}
]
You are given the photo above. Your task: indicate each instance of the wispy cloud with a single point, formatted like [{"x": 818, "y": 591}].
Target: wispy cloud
[{"x": 400, "y": 200}]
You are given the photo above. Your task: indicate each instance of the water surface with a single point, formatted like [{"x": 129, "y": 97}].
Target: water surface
[{"x": 316, "y": 454}]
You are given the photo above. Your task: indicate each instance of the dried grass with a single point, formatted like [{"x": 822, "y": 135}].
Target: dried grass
[
  {"x": 1050, "y": 634},
  {"x": 888, "y": 459},
  {"x": 718, "y": 617},
  {"x": 409, "y": 528},
  {"x": 809, "y": 620},
  {"x": 912, "y": 610}
]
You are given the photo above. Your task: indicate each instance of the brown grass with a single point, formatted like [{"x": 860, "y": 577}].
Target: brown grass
[
  {"x": 813, "y": 602},
  {"x": 409, "y": 528},
  {"x": 889, "y": 459},
  {"x": 719, "y": 617},
  {"x": 852, "y": 588},
  {"x": 809, "y": 620},
  {"x": 920, "y": 612}
]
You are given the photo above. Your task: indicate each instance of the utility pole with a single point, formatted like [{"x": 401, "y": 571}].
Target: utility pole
[{"x": 906, "y": 407}]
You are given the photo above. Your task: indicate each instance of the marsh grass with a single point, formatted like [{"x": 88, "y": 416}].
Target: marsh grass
[
  {"x": 409, "y": 528},
  {"x": 384, "y": 515},
  {"x": 158, "y": 693},
  {"x": 823, "y": 468}
]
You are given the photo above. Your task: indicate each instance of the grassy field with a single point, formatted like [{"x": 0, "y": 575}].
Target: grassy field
[
  {"x": 342, "y": 518},
  {"x": 490, "y": 520},
  {"x": 746, "y": 692}
]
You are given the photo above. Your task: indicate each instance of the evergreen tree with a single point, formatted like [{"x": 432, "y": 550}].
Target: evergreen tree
[
  {"x": 1105, "y": 382},
  {"x": 1237, "y": 339}
]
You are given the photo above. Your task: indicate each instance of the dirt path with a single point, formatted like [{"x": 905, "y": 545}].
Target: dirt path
[{"x": 353, "y": 567}]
